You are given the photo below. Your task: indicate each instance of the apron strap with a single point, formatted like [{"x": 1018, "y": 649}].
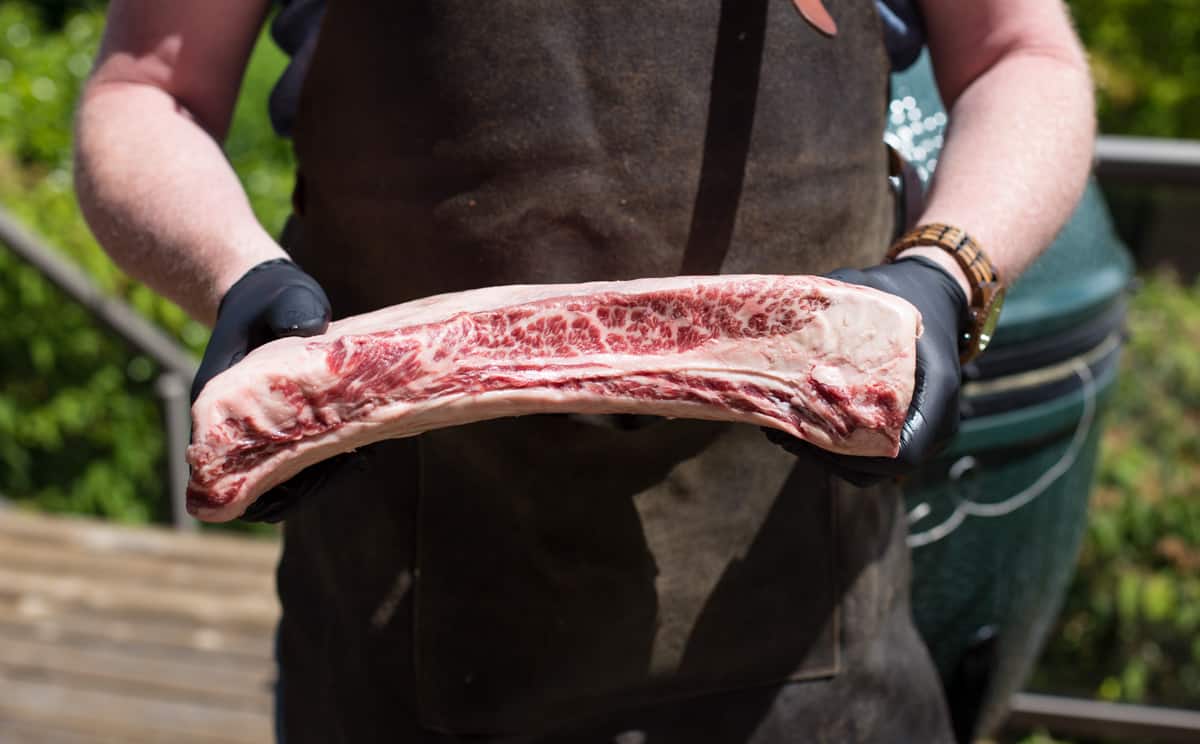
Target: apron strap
[{"x": 908, "y": 189}]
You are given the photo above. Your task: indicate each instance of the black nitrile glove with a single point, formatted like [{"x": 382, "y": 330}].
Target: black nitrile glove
[
  {"x": 272, "y": 300},
  {"x": 933, "y": 415}
]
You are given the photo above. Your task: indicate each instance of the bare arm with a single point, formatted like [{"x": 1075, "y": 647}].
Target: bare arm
[
  {"x": 152, "y": 180},
  {"x": 1022, "y": 125}
]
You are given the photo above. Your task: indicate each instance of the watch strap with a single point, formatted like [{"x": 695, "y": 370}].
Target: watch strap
[
  {"x": 986, "y": 289},
  {"x": 955, "y": 241}
]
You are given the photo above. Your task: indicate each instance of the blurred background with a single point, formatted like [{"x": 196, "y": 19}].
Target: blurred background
[{"x": 82, "y": 410}]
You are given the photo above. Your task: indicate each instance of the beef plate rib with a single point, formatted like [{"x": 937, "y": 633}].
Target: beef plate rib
[{"x": 828, "y": 362}]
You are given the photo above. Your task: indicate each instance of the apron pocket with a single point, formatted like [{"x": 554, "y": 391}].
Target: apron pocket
[{"x": 595, "y": 578}]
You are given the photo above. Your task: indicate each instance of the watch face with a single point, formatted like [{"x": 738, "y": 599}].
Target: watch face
[{"x": 992, "y": 318}]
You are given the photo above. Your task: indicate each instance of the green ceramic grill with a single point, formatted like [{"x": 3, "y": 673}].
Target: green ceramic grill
[{"x": 995, "y": 523}]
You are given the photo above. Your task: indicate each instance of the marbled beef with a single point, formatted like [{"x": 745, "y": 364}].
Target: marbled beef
[{"x": 829, "y": 362}]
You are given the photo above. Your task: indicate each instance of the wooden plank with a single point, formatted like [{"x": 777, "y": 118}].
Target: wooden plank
[
  {"x": 49, "y": 631},
  {"x": 25, "y": 732},
  {"x": 234, "y": 688},
  {"x": 135, "y": 635},
  {"x": 237, "y": 553},
  {"x": 249, "y": 609},
  {"x": 110, "y": 715},
  {"x": 110, "y": 567}
]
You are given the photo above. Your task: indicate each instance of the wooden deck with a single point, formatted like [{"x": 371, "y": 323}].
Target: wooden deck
[
  {"x": 117, "y": 634},
  {"x": 134, "y": 635}
]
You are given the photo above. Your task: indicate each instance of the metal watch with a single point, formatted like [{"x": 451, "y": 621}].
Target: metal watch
[{"x": 987, "y": 293}]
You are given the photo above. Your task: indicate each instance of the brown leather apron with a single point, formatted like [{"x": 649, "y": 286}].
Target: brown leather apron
[{"x": 564, "y": 578}]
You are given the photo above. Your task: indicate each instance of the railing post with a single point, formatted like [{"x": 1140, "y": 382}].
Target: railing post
[{"x": 174, "y": 392}]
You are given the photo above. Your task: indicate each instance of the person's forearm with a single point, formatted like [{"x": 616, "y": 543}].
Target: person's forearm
[
  {"x": 1016, "y": 158},
  {"x": 161, "y": 197}
]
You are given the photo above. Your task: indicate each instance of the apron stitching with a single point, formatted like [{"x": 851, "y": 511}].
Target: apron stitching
[
  {"x": 835, "y": 579},
  {"x": 415, "y": 562}
]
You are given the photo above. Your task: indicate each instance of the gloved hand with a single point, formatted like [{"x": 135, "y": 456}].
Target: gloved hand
[
  {"x": 933, "y": 415},
  {"x": 272, "y": 300}
]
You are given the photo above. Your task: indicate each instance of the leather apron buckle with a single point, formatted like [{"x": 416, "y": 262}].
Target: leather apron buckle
[{"x": 817, "y": 16}]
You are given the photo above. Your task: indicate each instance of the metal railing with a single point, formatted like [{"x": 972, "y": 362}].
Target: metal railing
[
  {"x": 1148, "y": 160},
  {"x": 177, "y": 366},
  {"x": 1094, "y": 719}
]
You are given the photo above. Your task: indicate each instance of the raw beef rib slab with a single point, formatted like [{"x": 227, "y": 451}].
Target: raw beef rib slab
[{"x": 828, "y": 362}]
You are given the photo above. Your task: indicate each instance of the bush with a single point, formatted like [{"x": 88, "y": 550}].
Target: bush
[
  {"x": 80, "y": 426},
  {"x": 1145, "y": 57},
  {"x": 1130, "y": 628}
]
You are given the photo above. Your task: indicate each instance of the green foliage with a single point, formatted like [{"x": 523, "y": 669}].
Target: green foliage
[
  {"x": 79, "y": 429},
  {"x": 80, "y": 425},
  {"x": 54, "y": 13},
  {"x": 1145, "y": 57},
  {"x": 262, "y": 159},
  {"x": 40, "y": 75},
  {"x": 1043, "y": 738},
  {"x": 1129, "y": 627}
]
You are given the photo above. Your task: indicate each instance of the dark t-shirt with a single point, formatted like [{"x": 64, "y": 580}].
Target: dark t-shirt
[{"x": 295, "y": 31}]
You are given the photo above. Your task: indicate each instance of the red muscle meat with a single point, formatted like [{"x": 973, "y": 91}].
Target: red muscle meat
[{"x": 828, "y": 362}]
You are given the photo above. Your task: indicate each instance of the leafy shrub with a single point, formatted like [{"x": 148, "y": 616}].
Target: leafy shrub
[
  {"x": 1130, "y": 629},
  {"x": 1145, "y": 58},
  {"x": 1130, "y": 626},
  {"x": 80, "y": 426}
]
